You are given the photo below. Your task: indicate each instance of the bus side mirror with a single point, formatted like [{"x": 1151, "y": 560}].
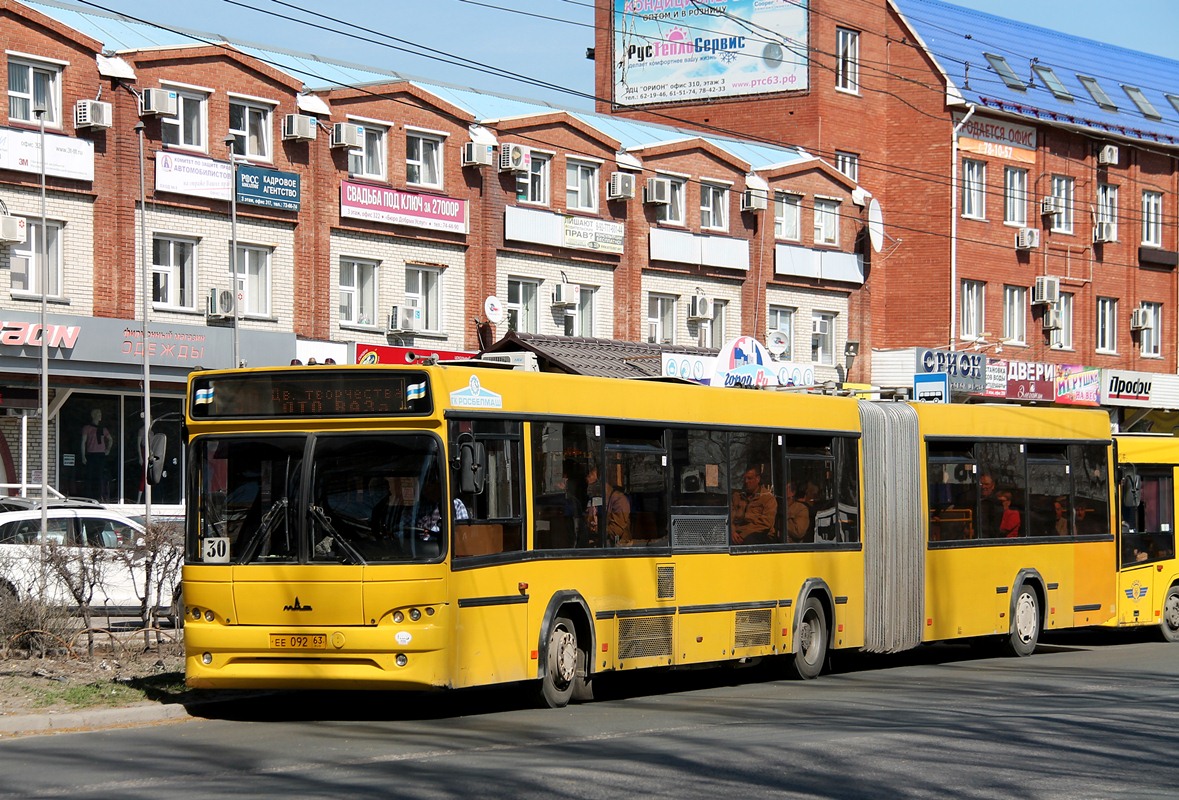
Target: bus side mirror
[
  {"x": 472, "y": 467},
  {"x": 1131, "y": 490}
]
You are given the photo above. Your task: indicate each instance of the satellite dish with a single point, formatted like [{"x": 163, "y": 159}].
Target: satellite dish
[
  {"x": 875, "y": 225},
  {"x": 777, "y": 342},
  {"x": 494, "y": 309}
]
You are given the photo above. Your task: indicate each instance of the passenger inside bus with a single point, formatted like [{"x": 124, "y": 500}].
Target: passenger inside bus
[
  {"x": 755, "y": 510},
  {"x": 798, "y": 517},
  {"x": 608, "y": 509},
  {"x": 1011, "y": 523}
]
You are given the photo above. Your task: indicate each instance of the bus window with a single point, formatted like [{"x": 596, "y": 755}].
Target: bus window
[
  {"x": 1090, "y": 471},
  {"x": 1049, "y": 507},
  {"x": 1148, "y": 529},
  {"x": 952, "y": 491},
  {"x": 810, "y": 468},
  {"x": 490, "y": 521},
  {"x": 757, "y": 501},
  {"x": 561, "y": 456},
  {"x": 700, "y": 496},
  {"x": 848, "y": 464},
  {"x": 1002, "y": 489}
]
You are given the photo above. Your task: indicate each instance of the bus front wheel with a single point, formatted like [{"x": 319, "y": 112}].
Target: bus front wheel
[
  {"x": 1169, "y": 624},
  {"x": 1025, "y": 624},
  {"x": 811, "y": 652},
  {"x": 564, "y": 661}
]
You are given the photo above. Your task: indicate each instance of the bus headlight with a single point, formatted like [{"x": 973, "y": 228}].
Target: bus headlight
[
  {"x": 206, "y": 658},
  {"x": 414, "y": 614},
  {"x": 398, "y": 617}
]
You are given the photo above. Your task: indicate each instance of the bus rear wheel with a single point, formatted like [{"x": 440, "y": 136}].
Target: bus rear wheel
[
  {"x": 811, "y": 652},
  {"x": 1169, "y": 624},
  {"x": 564, "y": 666},
  {"x": 1025, "y": 624}
]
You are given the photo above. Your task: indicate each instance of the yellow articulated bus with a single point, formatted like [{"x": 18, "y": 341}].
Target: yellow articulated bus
[
  {"x": 411, "y": 527},
  {"x": 1148, "y": 574}
]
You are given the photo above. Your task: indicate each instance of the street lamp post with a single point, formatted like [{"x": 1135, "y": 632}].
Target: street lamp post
[
  {"x": 40, "y": 110},
  {"x": 147, "y": 449},
  {"x": 230, "y": 140}
]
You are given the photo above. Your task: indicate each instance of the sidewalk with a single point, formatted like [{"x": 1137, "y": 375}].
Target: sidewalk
[{"x": 90, "y": 719}]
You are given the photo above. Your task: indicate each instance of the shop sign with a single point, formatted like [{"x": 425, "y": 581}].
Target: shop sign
[
  {"x": 966, "y": 370},
  {"x": 193, "y": 176},
  {"x": 1031, "y": 381},
  {"x": 395, "y": 207},
  {"x": 591, "y": 233},
  {"x": 1125, "y": 388},
  {"x": 65, "y": 156},
  {"x": 270, "y": 188},
  {"x": 1077, "y": 385}
]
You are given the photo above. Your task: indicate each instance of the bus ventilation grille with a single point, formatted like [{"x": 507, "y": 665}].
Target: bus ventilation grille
[
  {"x": 700, "y": 531},
  {"x": 665, "y": 575},
  {"x": 644, "y": 637},
  {"x": 752, "y": 629}
]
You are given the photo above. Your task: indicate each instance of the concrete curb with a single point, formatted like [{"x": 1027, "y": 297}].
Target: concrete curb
[{"x": 90, "y": 719}]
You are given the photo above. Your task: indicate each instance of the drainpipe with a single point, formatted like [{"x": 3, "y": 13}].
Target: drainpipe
[{"x": 954, "y": 229}]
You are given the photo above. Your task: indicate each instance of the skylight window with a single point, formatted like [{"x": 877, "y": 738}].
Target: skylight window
[
  {"x": 1054, "y": 84},
  {"x": 1144, "y": 105},
  {"x": 1000, "y": 65},
  {"x": 1098, "y": 94},
  {"x": 1174, "y": 100}
]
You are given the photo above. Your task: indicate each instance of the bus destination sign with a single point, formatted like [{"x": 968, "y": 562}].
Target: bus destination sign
[{"x": 310, "y": 392}]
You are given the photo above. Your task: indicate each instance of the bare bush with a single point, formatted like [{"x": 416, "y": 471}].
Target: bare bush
[{"x": 30, "y": 627}]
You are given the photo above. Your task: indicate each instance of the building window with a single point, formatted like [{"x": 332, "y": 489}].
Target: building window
[
  {"x": 1150, "y": 337},
  {"x": 253, "y": 279},
  {"x": 188, "y": 127},
  {"x": 423, "y": 159},
  {"x": 661, "y": 319},
  {"x": 1015, "y": 196},
  {"x": 973, "y": 307},
  {"x": 847, "y": 60},
  {"x": 823, "y": 338},
  {"x": 1107, "y": 325},
  {"x": 1015, "y": 313},
  {"x": 581, "y": 186},
  {"x": 1062, "y": 190},
  {"x": 25, "y": 259},
  {"x": 1152, "y": 219},
  {"x": 848, "y": 164},
  {"x": 32, "y": 85},
  {"x": 673, "y": 212},
  {"x": 172, "y": 279},
  {"x": 422, "y": 293},
  {"x": 787, "y": 216},
  {"x": 1062, "y": 337},
  {"x": 522, "y": 310},
  {"x": 358, "y": 292},
  {"x": 826, "y": 221},
  {"x": 579, "y": 319},
  {"x": 368, "y": 161},
  {"x": 974, "y": 180},
  {"x": 714, "y": 207},
  {"x": 711, "y": 332},
  {"x": 538, "y": 179},
  {"x": 249, "y": 124},
  {"x": 1107, "y": 207},
  {"x": 781, "y": 320}
]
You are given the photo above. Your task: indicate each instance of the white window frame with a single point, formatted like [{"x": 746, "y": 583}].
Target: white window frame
[
  {"x": 1015, "y": 196},
  {"x": 173, "y": 277},
  {"x": 972, "y": 298},
  {"x": 1062, "y": 337},
  {"x": 423, "y": 291},
  {"x": 826, "y": 221},
  {"x": 427, "y": 162},
  {"x": 539, "y": 179},
  {"x": 847, "y": 60},
  {"x": 359, "y": 278},
  {"x": 581, "y": 185},
  {"x": 974, "y": 188},
  {"x": 660, "y": 318},
  {"x": 788, "y": 216},
  {"x": 187, "y": 131},
  {"x": 523, "y": 305},
  {"x": 714, "y": 207},
  {"x": 674, "y": 212},
  {"x": 711, "y": 332},
  {"x": 823, "y": 344},
  {"x": 1152, "y": 218},
  {"x": 579, "y": 318},
  {"x": 1062, "y": 189},
  {"x": 1015, "y": 314},
  {"x": 253, "y": 279},
  {"x": 1107, "y": 206},
  {"x": 253, "y": 137},
  {"x": 781, "y": 318},
  {"x": 29, "y": 254},
  {"x": 848, "y": 164},
  {"x": 1105, "y": 333},
  {"x": 48, "y": 71},
  {"x": 1150, "y": 339},
  {"x": 369, "y": 160}
]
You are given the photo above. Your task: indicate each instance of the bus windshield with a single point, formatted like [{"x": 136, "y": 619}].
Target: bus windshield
[{"x": 368, "y": 498}]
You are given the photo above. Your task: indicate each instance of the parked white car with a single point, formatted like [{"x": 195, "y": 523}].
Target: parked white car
[{"x": 84, "y": 543}]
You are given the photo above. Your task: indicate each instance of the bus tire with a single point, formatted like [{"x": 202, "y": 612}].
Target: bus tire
[
  {"x": 1025, "y": 624},
  {"x": 810, "y": 655},
  {"x": 1169, "y": 624},
  {"x": 564, "y": 661}
]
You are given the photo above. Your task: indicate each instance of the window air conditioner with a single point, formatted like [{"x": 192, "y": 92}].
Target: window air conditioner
[
  {"x": 347, "y": 134},
  {"x": 754, "y": 200},
  {"x": 476, "y": 155},
  {"x": 13, "y": 230},
  {"x": 820, "y": 326},
  {"x": 1051, "y": 320},
  {"x": 1051, "y": 205},
  {"x": 161, "y": 102},
  {"x": 402, "y": 319},
  {"x": 657, "y": 192},
  {"x": 514, "y": 158},
  {"x": 299, "y": 127},
  {"x": 566, "y": 294},
  {"x": 1046, "y": 290},
  {"x": 1103, "y": 232},
  {"x": 621, "y": 186},
  {"x": 220, "y": 304},
  {"x": 1140, "y": 319},
  {"x": 1027, "y": 239},
  {"x": 93, "y": 114},
  {"x": 1108, "y": 155},
  {"x": 699, "y": 308}
]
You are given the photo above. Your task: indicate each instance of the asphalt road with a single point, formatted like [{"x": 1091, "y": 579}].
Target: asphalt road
[{"x": 1087, "y": 716}]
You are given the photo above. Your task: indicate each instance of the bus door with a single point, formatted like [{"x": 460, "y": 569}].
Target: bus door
[{"x": 1147, "y": 541}]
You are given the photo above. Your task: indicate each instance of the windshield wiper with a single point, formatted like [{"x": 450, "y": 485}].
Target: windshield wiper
[
  {"x": 333, "y": 539},
  {"x": 266, "y": 526}
]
